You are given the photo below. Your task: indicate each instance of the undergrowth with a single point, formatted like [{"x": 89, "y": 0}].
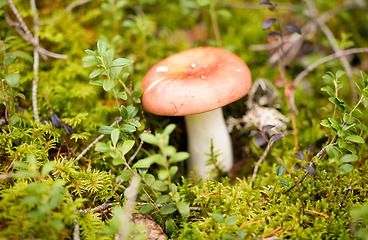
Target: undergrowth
[{"x": 56, "y": 183}]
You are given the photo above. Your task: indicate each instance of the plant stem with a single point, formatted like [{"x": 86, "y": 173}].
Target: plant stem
[{"x": 215, "y": 25}]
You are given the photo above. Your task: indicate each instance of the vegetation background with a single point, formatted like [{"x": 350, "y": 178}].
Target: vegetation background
[{"x": 58, "y": 98}]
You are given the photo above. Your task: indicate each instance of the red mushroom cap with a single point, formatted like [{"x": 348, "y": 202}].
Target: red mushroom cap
[{"x": 195, "y": 81}]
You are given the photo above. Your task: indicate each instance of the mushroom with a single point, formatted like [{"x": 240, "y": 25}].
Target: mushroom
[{"x": 195, "y": 84}]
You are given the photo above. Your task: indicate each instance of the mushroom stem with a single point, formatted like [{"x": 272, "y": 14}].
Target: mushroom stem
[{"x": 201, "y": 128}]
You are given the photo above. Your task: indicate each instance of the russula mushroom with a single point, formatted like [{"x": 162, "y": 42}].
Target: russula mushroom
[{"x": 195, "y": 84}]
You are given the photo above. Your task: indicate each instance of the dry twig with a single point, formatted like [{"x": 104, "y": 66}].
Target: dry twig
[{"x": 95, "y": 141}]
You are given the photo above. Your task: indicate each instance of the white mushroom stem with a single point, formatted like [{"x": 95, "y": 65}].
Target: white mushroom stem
[{"x": 201, "y": 128}]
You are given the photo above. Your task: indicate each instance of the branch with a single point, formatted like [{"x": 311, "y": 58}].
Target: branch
[
  {"x": 76, "y": 231},
  {"x": 95, "y": 141},
  {"x": 333, "y": 43},
  {"x": 313, "y": 66},
  {"x": 75, "y": 4},
  {"x": 259, "y": 162},
  {"x": 6, "y": 176},
  {"x": 129, "y": 208},
  {"x": 36, "y": 62},
  {"x": 135, "y": 154}
]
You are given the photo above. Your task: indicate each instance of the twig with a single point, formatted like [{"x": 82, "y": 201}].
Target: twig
[
  {"x": 347, "y": 189},
  {"x": 333, "y": 43},
  {"x": 76, "y": 232},
  {"x": 24, "y": 32},
  {"x": 313, "y": 66},
  {"x": 197, "y": 209},
  {"x": 100, "y": 208},
  {"x": 95, "y": 141},
  {"x": 215, "y": 25},
  {"x": 36, "y": 61},
  {"x": 130, "y": 204},
  {"x": 318, "y": 213},
  {"x": 6, "y": 176},
  {"x": 75, "y": 4},
  {"x": 259, "y": 162},
  {"x": 134, "y": 155},
  {"x": 252, "y": 5}
]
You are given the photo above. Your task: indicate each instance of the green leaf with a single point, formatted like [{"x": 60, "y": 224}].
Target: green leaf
[
  {"x": 12, "y": 79},
  {"x": 159, "y": 159},
  {"x": 127, "y": 128},
  {"x": 284, "y": 183},
  {"x": 332, "y": 153},
  {"x": 355, "y": 138},
  {"x": 163, "y": 199},
  {"x": 118, "y": 161},
  {"x": 168, "y": 208},
  {"x": 359, "y": 86},
  {"x": 122, "y": 95},
  {"x": 96, "y": 72},
  {"x": 169, "y": 129},
  {"x": 132, "y": 111},
  {"x": 121, "y": 62},
  {"x": 126, "y": 147},
  {"x": 149, "y": 138},
  {"x": 345, "y": 169},
  {"x": 150, "y": 179},
  {"x": 21, "y": 95},
  {"x": 351, "y": 149},
  {"x": 103, "y": 147},
  {"x": 159, "y": 186},
  {"x": 178, "y": 157},
  {"x": 115, "y": 136},
  {"x": 90, "y": 52},
  {"x": 31, "y": 159},
  {"x": 135, "y": 123},
  {"x": 91, "y": 63},
  {"x": 334, "y": 124},
  {"x": 23, "y": 55},
  {"x": 183, "y": 208},
  {"x": 14, "y": 119},
  {"x": 329, "y": 90},
  {"x": 163, "y": 174},
  {"x": 170, "y": 226},
  {"x": 218, "y": 217},
  {"x": 329, "y": 76},
  {"x": 169, "y": 150},
  {"x": 101, "y": 46},
  {"x": 97, "y": 82},
  {"x": 114, "y": 72},
  {"x": 21, "y": 165},
  {"x": 108, "y": 84},
  {"x": 173, "y": 170},
  {"x": 230, "y": 221},
  {"x": 125, "y": 175},
  {"x": 47, "y": 168},
  {"x": 147, "y": 208},
  {"x": 106, "y": 130},
  {"x": 280, "y": 170},
  {"x": 337, "y": 103},
  {"x": 142, "y": 164},
  {"x": 349, "y": 158},
  {"x": 365, "y": 80},
  {"x": 124, "y": 112},
  {"x": 339, "y": 73},
  {"x": 342, "y": 143}
]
